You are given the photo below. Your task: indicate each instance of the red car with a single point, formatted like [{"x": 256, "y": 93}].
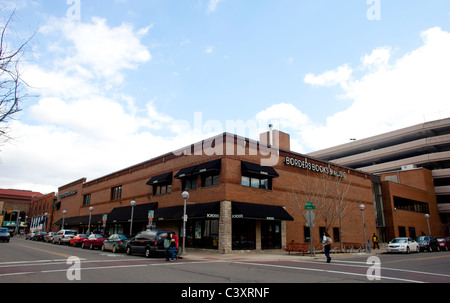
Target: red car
[
  {"x": 78, "y": 240},
  {"x": 93, "y": 241},
  {"x": 444, "y": 244}
]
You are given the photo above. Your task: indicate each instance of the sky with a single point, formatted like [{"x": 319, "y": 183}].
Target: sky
[{"x": 113, "y": 83}]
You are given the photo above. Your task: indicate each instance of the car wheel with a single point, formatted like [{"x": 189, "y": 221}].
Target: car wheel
[
  {"x": 128, "y": 250},
  {"x": 407, "y": 249},
  {"x": 438, "y": 248},
  {"x": 114, "y": 249},
  {"x": 91, "y": 247},
  {"x": 418, "y": 249},
  {"x": 83, "y": 246},
  {"x": 147, "y": 252},
  {"x": 103, "y": 247}
]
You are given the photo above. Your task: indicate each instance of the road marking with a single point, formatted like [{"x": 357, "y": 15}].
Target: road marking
[
  {"x": 47, "y": 251},
  {"x": 327, "y": 271}
]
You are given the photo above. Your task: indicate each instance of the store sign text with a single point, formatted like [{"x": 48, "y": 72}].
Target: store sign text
[{"x": 304, "y": 164}]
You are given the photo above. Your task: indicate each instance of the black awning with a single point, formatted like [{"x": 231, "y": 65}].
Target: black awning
[
  {"x": 215, "y": 165},
  {"x": 259, "y": 211},
  {"x": 164, "y": 178},
  {"x": 185, "y": 172},
  {"x": 194, "y": 211},
  {"x": 255, "y": 169},
  {"x": 123, "y": 214}
]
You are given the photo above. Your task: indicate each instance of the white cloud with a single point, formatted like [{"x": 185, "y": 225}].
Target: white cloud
[
  {"x": 388, "y": 94},
  {"x": 330, "y": 78},
  {"x": 212, "y": 5}
]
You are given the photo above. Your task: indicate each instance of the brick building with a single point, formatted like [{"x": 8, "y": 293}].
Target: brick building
[
  {"x": 40, "y": 215},
  {"x": 244, "y": 195},
  {"x": 14, "y": 207}
]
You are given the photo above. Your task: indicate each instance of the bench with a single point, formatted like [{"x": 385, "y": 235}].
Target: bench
[{"x": 301, "y": 248}]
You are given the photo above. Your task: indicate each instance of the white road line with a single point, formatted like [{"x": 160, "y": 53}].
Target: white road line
[{"x": 326, "y": 270}]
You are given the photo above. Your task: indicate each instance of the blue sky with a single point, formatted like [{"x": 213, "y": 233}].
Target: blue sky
[{"x": 118, "y": 82}]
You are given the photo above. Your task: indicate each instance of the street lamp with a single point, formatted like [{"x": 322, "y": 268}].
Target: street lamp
[
  {"x": 427, "y": 216},
  {"x": 45, "y": 221},
  {"x": 90, "y": 216},
  {"x": 362, "y": 207},
  {"x": 133, "y": 204},
  {"x": 185, "y": 196},
  {"x": 64, "y": 218}
]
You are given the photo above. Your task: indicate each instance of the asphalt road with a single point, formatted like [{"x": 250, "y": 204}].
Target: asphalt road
[{"x": 23, "y": 261}]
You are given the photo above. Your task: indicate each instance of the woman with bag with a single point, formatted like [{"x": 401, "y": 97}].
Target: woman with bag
[
  {"x": 327, "y": 244},
  {"x": 167, "y": 242}
]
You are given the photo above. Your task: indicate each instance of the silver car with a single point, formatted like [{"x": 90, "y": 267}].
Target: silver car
[
  {"x": 4, "y": 235},
  {"x": 63, "y": 236}
]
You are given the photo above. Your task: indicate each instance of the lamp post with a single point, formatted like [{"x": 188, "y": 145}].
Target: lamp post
[
  {"x": 427, "y": 216},
  {"x": 45, "y": 221},
  {"x": 90, "y": 216},
  {"x": 133, "y": 204},
  {"x": 362, "y": 207},
  {"x": 64, "y": 218},
  {"x": 185, "y": 196}
]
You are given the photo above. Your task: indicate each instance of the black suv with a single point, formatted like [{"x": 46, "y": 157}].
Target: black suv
[
  {"x": 428, "y": 242},
  {"x": 147, "y": 242}
]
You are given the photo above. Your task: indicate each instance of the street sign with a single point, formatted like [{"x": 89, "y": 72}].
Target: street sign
[
  {"x": 309, "y": 205},
  {"x": 310, "y": 217}
]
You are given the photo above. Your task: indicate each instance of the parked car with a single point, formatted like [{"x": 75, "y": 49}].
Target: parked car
[
  {"x": 78, "y": 240},
  {"x": 49, "y": 236},
  {"x": 29, "y": 236},
  {"x": 147, "y": 243},
  {"x": 39, "y": 236},
  {"x": 4, "y": 234},
  {"x": 444, "y": 243},
  {"x": 63, "y": 236},
  {"x": 428, "y": 242},
  {"x": 93, "y": 241},
  {"x": 403, "y": 244},
  {"x": 115, "y": 243}
]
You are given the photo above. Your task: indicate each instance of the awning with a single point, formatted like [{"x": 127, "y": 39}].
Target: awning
[
  {"x": 194, "y": 211},
  {"x": 164, "y": 178},
  {"x": 83, "y": 220},
  {"x": 185, "y": 172},
  {"x": 259, "y": 211},
  {"x": 255, "y": 169},
  {"x": 123, "y": 214},
  {"x": 209, "y": 166}
]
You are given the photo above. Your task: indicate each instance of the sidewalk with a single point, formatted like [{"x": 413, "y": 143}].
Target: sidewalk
[{"x": 270, "y": 256}]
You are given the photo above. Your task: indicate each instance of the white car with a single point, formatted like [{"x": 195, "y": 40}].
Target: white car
[{"x": 404, "y": 244}]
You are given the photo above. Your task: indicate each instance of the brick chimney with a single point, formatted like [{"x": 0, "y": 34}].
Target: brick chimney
[{"x": 276, "y": 139}]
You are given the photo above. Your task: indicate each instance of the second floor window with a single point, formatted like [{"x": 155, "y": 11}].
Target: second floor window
[
  {"x": 116, "y": 192},
  {"x": 87, "y": 199}
]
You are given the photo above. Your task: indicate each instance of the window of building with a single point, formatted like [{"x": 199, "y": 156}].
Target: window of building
[
  {"x": 411, "y": 205},
  {"x": 189, "y": 183},
  {"x": 211, "y": 179},
  {"x": 116, "y": 192},
  {"x": 270, "y": 235},
  {"x": 402, "y": 231},
  {"x": 307, "y": 234},
  {"x": 412, "y": 232},
  {"x": 256, "y": 182},
  {"x": 87, "y": 199},
  {"x": 243, "y": 234},
  {"x": 162, "y": 189},
  {"x": 336, "y": 234}
]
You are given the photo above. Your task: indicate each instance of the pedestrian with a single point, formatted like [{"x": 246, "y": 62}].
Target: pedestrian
[
  {"x": 375, "y": 241},
  {"x": 167, "y": 241},
  {"x": 174, "y": 246},
  {"x": 327, "y": 245}
]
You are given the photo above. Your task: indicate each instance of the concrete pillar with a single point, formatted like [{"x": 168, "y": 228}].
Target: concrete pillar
[{"x": 225, "y": 228}]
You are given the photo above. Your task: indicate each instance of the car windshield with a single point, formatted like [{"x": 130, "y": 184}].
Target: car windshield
[
  {"x": 422, "y": 238},
  {"x": 399, "y": 240},
  {"x": 70, "y": 233},
  {"x": 122, "y": 237}
]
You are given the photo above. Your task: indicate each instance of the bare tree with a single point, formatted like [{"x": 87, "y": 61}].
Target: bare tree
[
  {"x": 12, "y": 86},
  {"x": 328, "y": 193}
]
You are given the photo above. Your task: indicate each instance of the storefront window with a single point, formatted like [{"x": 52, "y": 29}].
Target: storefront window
[
  {"x": 243, "y": 234},
  {"x": 202, "y": 234},
  {"x": 270, "y": 235}
]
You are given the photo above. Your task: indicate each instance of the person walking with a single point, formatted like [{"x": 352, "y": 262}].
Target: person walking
[
  {"x": 167, "y": 242},
  {"x": 327, "y": 245},
  {"x": 173, "y": 246},
  {"x": 375, "y": 241}
]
